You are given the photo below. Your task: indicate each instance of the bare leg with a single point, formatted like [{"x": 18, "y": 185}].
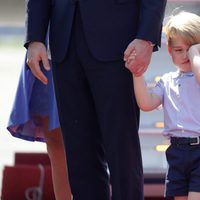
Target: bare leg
[
  {"x": 56, "y": 152},
  {"x": 194, "y": 196},
  {"x": 181, "y": 198}
]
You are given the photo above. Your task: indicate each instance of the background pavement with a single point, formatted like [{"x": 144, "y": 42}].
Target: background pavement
[{"x": 12, "y": 12}]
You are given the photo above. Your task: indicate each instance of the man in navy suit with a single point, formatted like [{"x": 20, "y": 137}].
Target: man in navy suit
[{"x": 98, "y": 113}]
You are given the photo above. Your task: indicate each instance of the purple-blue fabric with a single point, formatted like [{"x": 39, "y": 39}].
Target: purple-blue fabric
[{"x": 33, "y": 100}]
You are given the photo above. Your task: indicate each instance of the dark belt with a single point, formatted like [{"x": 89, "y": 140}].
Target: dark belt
[{"x": 184, "y": 140}]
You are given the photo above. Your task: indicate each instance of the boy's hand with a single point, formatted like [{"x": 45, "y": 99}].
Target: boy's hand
[
  {"x": 194, "y": 53},
  {"x": 37, "y": 53},
  {"x": 195, "y": 47},
  {"x": 194, "y": 57}
]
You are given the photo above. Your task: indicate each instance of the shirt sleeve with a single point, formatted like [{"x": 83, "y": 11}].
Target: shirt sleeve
[{"x": 159, "y": 89}]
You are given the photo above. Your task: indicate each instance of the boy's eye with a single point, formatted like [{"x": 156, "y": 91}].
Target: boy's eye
[{"x": 178, "y": 50}]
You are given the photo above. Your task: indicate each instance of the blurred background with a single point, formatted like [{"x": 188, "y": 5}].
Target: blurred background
[
  {"x": 12, "y": 16},
  {"x": 12, "y": 53}
]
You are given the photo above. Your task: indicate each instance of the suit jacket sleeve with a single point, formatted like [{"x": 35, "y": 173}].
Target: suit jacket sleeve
[
  {"x": 37, "y": 20},
  {"x": 151, "y": 18}
]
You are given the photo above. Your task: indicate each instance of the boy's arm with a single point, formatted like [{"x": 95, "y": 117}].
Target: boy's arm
[
  {"x": 146, "y": 100},
  {"x": 194, "y": 56}
]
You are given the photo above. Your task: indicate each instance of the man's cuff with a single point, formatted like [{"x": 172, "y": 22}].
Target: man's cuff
[
  {"x": 26, "y": 44},
  {"x": 151, "y": 44}
]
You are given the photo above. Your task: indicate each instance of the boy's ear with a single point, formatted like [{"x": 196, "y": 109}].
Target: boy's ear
[{"x": 169, "y": 49}]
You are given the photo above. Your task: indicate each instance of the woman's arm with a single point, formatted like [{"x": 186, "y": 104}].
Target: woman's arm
[
  {"x": 146, "y": 100},
  {"x": 194, "y": 56}
]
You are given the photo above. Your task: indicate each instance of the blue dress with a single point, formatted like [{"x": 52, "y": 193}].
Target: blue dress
[{"x": 33, "y": 100}]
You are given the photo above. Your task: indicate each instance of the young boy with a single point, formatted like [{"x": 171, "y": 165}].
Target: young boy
[{"x": 179, "y": 94}]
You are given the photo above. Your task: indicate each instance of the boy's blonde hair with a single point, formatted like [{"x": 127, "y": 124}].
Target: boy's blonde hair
[{"x": 185, "y": 25}]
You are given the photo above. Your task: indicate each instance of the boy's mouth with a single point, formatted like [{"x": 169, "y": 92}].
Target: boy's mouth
[{"x": 185, "y": 62}]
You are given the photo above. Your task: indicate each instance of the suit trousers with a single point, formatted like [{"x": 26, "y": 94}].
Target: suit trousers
[{"x": 99, "y": 119}]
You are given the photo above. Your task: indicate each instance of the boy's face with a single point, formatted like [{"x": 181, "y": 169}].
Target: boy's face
[{"x": 178, "y": 50}]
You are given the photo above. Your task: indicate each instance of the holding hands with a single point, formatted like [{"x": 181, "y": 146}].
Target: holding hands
[{"x": 137, "y": 56}]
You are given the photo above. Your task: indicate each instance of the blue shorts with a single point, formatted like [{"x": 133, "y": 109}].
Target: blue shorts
[{"x": 184, "y": 170}]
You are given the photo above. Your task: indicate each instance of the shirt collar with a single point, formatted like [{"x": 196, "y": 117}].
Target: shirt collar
[{"x": 178, "y": 73}]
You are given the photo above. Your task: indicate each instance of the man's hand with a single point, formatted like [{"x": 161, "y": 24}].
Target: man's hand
[
  {"x": 37, "y": 53},
  {"x": 137, "y": 56}
]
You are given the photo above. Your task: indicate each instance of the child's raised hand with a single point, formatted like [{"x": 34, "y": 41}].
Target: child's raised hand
[
  {"x": 194, "y": 50},
  {"x": 194, "y": 56}
]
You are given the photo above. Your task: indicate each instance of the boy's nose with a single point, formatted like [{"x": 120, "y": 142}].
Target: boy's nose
[{"x": 185, "y": 54}]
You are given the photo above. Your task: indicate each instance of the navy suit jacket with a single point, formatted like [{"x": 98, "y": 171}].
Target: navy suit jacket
[{"x": 109, "y": 25}]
